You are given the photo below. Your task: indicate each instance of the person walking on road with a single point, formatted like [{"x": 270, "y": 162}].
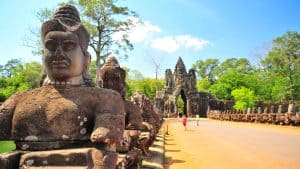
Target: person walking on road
[
  {"x": 197, "y": 119},
  {"x": 184, "y": 121}
]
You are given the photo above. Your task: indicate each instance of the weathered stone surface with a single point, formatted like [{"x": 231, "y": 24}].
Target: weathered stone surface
[
  {"x": 268, "y": 116},
  {"x": 123, "y": 146},
  {"x": 183, "y": 84},
  {"x": 85, "y": 157},
  {"x": 62, "y": 115},
  {"x": 112, "y": 76},
  {"x": 129, "y": 160},
  {"x": 139, "y": 110},
  {"x": 66, "y": 112},
  {"x": 10, "y": 160},
  {"x": 150, "y": 114},
  {"x": 133, "y": 117}
]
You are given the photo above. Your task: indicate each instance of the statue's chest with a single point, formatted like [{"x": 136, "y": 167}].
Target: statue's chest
[{"x": 55, "y": 116}]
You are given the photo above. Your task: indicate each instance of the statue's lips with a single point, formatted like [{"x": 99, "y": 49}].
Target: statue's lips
[{"x": 60, "y": 64}]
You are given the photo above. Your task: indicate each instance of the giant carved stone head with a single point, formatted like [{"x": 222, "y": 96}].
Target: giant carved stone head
[{"x": 65, "y": 42}]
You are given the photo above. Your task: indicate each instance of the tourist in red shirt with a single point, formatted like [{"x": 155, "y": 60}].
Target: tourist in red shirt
[{"x": 184, "y": 121}]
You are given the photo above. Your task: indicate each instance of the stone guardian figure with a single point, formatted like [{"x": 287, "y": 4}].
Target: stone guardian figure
[{"x": 66, "y": 112}]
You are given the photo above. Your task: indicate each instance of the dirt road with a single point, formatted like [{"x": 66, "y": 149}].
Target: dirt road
[{"x": 229, "y": 145}]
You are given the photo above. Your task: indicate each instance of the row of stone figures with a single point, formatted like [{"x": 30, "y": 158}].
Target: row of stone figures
[
  {"x": 67, "y": 122},
  {"x": 268, "y": 115},
  {"x": 142, "y": 119}
]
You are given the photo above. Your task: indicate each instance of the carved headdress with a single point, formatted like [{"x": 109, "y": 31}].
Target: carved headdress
[{"x": 66, "y": 18}]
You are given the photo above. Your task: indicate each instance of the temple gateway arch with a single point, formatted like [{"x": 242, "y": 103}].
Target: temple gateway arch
[{"x": 183, "y": 84}]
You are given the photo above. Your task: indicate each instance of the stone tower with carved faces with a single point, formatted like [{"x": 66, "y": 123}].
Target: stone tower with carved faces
[{"x": 182, "y": 84}]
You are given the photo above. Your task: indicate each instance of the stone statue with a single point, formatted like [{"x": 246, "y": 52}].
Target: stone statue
[
  {"x": 112, "y": 76},
  {"x": 65, "y": 112}
]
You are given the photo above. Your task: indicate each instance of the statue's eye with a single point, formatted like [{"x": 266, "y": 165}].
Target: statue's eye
[
  {"x": 69, "y": 45},
  {"x": 51, "y": 45}
]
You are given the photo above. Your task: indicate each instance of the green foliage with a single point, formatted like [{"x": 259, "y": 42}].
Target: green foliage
[
  {"x": 228, "y": 82},
  {"x": 278, "y": 79},
  {"x": 203, "y": 84},
  {"x": 207, "y": 69},
  {"x": 6, "y": 70},
  {"x": 146, "y": 86},
  {"x": 243, "y": 97},
  {"x": 135, "y": 81},
  {"x": 180, "y": 104},
  {"x": 22, "y": 77},
  {"x": 93, "y": 71},
  {"x": 7, "y": 146},
  {"x": 103, "y": 18},
  {"x": 283, "y": 62},
  {"x": 241, "y": 65}
]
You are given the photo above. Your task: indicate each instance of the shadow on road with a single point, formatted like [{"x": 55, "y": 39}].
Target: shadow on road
[
  {"x": 172, "y": 150},
  {"x": 170, "y": 161}
]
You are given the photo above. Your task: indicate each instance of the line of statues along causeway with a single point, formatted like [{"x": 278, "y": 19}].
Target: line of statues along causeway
[
  {"x": 280, "y": 114},
  {"x": 68, "y": 123}
]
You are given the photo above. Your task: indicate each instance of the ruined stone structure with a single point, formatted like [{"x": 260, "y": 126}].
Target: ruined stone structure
[
  {"x": 183, "y": 83},
  {"x": 65, "y": 123}
]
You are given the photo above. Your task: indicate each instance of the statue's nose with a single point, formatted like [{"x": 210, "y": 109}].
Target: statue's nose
[{"x": 58, "y": 51}]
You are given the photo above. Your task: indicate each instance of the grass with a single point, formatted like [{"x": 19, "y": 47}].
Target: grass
[{"x": 7, "y": 146}]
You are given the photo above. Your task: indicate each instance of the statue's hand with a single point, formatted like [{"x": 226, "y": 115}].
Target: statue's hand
[{"x": 101, "y": 135}]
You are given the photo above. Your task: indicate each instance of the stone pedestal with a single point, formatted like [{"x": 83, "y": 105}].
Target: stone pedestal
[{"x": 70, "y": 158}]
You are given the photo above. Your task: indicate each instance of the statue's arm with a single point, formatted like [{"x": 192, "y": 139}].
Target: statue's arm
[
  {"x": 109, "y": 121},
  {"x": 6, "y": 115}
]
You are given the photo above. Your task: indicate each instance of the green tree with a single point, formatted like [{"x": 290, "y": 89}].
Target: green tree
[
  {"x": 103, "y": 18},
  {"x": 6, "y": 70},
  {"x": 135, "y": 81},
  {"x": 226, "y": 83},
  {"x": 203, "y": 84},
  {"x": 284, "y": 62},
  {"x": 241, "y": 65},
  {"x": 24, "y": 76},
  {"x": 180, "y": 104},
  {"x": 206, "y": 69},
  {"x": 243, "y": 97}
]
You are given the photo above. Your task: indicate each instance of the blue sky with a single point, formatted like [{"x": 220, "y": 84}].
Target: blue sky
[{"x": 192, "y": 29}]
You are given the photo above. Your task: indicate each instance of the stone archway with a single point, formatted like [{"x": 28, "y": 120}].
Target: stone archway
[
  {"x": 180, "y": 93},
  {"x": 183, "y": 84}
]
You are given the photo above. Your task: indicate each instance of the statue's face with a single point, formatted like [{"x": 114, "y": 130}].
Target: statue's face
[{"x": 63, "y": 57}]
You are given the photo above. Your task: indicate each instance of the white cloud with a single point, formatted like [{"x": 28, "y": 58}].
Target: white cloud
[
  {"x": 140, "y": 32},
  {"x": 143, "y": 32},
  {"x": 167, "y": 44},
  {"x": 171, "y": 44}
]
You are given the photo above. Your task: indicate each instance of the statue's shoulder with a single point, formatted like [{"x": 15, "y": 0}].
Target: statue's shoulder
[
  {"x": 100, "y": 92},
  {"x": 15, "y": 98}
]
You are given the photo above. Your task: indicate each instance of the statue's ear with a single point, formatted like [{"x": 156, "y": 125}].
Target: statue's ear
[{"x": 87, "y": 60}]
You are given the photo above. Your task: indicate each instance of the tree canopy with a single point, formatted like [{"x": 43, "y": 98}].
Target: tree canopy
[{"x": 276, "y": 79}]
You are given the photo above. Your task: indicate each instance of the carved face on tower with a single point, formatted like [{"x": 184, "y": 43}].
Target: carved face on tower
[{"x": 65, "y": 43}]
